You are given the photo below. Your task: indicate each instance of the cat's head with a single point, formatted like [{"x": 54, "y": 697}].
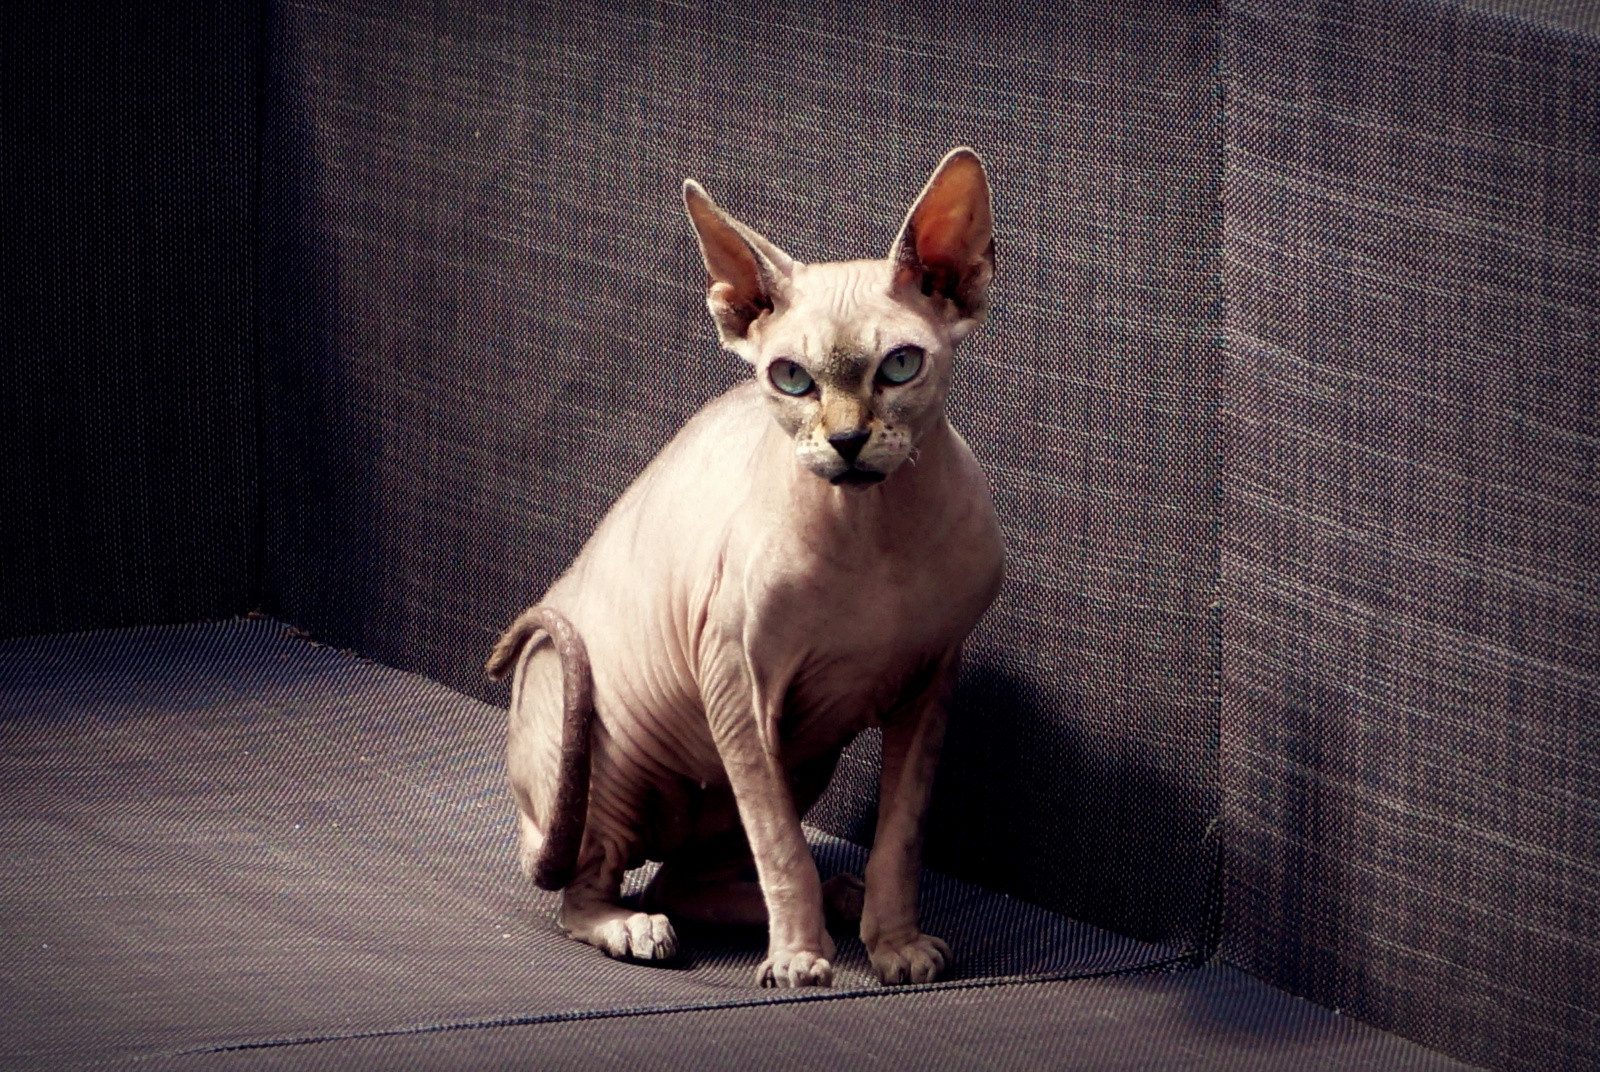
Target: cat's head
[{"x": 854, "y": 356}]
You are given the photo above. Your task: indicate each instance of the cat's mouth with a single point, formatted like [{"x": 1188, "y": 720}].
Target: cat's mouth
[{"x": 857, "y": 478}]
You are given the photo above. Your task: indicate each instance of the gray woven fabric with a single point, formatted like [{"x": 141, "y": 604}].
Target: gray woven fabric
[
  {"x": 484, "y": 313},
  {"x": 1214, "y": 1019},
  {"x": 219, "y": 836},
  {"x": 128, "y": 420},
  {"x": 1579, "y": 16},
  {"x": 1411, "y": 552}
]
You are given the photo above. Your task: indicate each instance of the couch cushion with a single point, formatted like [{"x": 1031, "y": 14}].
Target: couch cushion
[
  {"x": 1213, "y": 1019},
  {"x": 223, "y": 834}
]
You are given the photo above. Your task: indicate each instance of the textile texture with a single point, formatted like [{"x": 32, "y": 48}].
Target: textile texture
[
  {"x": 1213, "y": 1019},
  {"x": 223, "y": 835},
  {"x": 127, "y": 262},
  {"x": 484, "y": 313},
  {"x": 1300, "y": 639},
  {"x": 1544, "y": 17},
  {"x": 1411, "y": 550}
]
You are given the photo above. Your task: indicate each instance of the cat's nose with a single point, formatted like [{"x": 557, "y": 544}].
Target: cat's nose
[{"x": 849, "y": 444}]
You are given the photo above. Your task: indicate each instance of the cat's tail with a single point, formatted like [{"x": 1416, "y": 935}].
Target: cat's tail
[{"x": 557, "y": 859}]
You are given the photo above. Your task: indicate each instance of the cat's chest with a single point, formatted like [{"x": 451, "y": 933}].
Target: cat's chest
[
  {"x": 886, "y": 604},
  {"x": 853, "y": 639}
]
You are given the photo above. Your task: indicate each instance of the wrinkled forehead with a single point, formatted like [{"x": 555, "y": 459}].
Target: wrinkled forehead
[{"x": 843, "y": 309}]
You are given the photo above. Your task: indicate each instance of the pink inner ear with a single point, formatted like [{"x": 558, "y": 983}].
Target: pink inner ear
[
  {"x": 734, "y": 264},
  {"x": 729, "y": 262},
  {"x": 946, "y": 219},
  {"x": 942, "y": 241}
]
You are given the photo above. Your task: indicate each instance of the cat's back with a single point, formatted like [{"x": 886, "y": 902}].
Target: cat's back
[
  {"x": 704, "y": 474},
  {"x": 669, "y": 526}
]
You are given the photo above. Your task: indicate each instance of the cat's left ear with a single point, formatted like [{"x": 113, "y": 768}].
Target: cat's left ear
[
  {"x": 946, "y": 245},
  {"x": 749, "y": 275}
]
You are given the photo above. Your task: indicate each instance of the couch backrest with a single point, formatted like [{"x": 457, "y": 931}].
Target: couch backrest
[
  {"x": 128, "y": 380},
  {"x": 484, "y": 312},
  {"x": 1411, "y": 552}
]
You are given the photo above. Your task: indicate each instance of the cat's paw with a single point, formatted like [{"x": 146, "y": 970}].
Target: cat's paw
[
  {"x": 641, "y": 936},
  {"x": 789, "y": 970},
  {"x": 920, "y": 959},
  {"x": 843, "y": 897}
]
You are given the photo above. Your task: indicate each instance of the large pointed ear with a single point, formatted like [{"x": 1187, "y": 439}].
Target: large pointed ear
[
  {"x": 749, "y": 275},
  {"x": 946, "y": 245}
]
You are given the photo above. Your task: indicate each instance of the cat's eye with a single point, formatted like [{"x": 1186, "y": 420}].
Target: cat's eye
[
  {"x": 789, "y": 377},
  {"x": 900, "y": 364}
]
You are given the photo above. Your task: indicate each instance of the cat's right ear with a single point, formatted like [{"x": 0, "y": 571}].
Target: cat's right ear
[{"x": 749, "y": 275}]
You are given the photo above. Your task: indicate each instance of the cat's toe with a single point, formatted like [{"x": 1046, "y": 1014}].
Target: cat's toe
[
  {"x": 921, "y": 959},
  {"x": 651, "y": 937},
  {"x": 641, "y": 936},
  {"x": 792, "y": 970}
]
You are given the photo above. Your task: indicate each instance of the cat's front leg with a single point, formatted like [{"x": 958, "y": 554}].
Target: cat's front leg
[
  {"x": 799, "y": 950},
  {"x": 899, "y": 950}
]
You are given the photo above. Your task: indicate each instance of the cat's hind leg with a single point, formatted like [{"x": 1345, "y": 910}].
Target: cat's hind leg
[
  {"x": 535, "y": 754},
  {"x": 590, "y": 910},
  {"x": 718, "y": 886}
]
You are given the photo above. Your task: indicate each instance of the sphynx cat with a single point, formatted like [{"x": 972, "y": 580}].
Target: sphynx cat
[{"x": 802, "y": 561}]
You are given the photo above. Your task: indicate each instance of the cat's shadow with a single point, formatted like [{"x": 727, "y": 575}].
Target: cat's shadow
[{"x": 1036, "y": 800}]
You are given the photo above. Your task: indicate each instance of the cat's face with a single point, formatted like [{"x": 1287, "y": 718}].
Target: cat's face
[
  {"x": 855, "y": 375},
  {"x": 855, "y": 356}
]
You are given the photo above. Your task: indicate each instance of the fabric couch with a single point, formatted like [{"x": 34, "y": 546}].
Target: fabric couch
[{"x": 331, "y": 329}]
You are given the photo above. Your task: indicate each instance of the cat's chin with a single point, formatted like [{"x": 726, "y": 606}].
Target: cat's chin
[{"x": 857, "y": 478}]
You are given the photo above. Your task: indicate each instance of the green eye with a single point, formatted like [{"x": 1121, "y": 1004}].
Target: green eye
[
  {"x": 789, "y": 377},
  {"x": 901, "y": 364}
]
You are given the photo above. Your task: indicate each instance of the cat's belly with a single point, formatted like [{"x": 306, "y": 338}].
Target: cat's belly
[
  {"x": 663, "y": 731},
  {"x": 655, "y": 720},
  {"x": 656, "y": 764},
  {"x": 835, "y": 696},
  {"x": 678, "y": 814}
]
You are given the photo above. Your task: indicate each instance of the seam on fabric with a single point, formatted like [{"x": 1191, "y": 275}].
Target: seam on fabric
[
  {"x": 1212, "y": 914},
  {"x": 1173, "y": 964},
  {"x": 256, "y": 597}
]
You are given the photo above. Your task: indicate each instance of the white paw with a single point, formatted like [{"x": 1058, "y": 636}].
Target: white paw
[
  {"x": 921, "y": 959},
  {"x": 788, "y": 970},
  {"x": 637, "y": 937}
]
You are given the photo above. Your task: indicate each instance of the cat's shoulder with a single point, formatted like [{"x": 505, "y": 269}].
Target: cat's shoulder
[
  {"x": 717, "y": 441},
  {"x": 738, "y": 403},
  {"x": 738, "y": 416}
]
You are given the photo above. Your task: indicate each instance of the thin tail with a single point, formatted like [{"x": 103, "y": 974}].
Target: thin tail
[{"x": 558, "y": 856}]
